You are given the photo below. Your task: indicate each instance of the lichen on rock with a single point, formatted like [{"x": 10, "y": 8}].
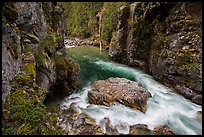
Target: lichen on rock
[{"x": 124, "y": 91}]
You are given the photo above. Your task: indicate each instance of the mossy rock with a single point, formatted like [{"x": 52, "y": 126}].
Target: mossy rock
[
  {"x": 23, "y": 111},
  {"x": 13, "y": 48},
  {"x": 26, "y": 115},
  {"x": 9, "y": 11}
]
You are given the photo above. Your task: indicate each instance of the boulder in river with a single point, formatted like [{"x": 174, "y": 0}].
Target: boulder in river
[
  {"x": 140, "y": 129},
  {"x": 122, "y": 90},
  {"x": 199, "y": 116},
  {"x": 163, "y": 130}
]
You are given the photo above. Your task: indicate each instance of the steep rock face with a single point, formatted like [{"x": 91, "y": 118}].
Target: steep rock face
[
  {"x": 176, "y": 50},
  {"x": 11, "y": 57},
  {"x": 11, "y": 50},
  {"x": 118, "y": 42},
  {"x": 163, "y": 39},
  {"x": 38, "y": 28},
  {"x": 31, "y": 40}
]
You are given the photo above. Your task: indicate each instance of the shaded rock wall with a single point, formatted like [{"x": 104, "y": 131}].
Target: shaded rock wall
[
  {"x": 37, "y": 28},
  {"x": 164, "y": 40}
]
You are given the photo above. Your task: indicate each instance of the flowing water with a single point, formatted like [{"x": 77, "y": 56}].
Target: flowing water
[{"x": 163, "y": 108}]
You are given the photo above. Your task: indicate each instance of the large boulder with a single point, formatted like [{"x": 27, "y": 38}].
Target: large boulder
[{"x": 129, "y": 93}]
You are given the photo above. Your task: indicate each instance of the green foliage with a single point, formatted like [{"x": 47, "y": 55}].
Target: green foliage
[
  {"x": 51, "y": 16},
  {"x": 109, "y": 19},
  {"x": 46, "y": 45},
  {"x": 30, "y": 68},
  {"x": 81, "y": 18},
  {"x": 26, "y": 112},
  {"x": 27, "y": 115},
  {"x": 23, "y": 111}
]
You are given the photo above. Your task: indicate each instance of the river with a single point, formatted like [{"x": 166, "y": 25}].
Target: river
[{"x": 163, "y": 108}]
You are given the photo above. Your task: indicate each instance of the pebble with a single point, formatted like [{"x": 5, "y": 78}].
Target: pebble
[{"x": 182, "y": 37}]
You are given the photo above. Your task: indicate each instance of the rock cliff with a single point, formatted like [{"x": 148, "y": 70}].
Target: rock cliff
[
  {"x": 33, "y": 58},
  {"x": 165, "y": 40},
  {"x": 37, "y": 29}
]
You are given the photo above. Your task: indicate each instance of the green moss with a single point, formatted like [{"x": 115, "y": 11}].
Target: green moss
[
  {"x": 25, "y": 47},
  {"x": 46, "y": 47},
  {"x": 23, "y": 111},
  {"x": 21, "y": 79},
  {"x": 9, "y": 11},
  {"x": 30, "y": 68},
  {"x": 40, "y": 59},
  {"x": 109, "y": 19},
  {"x": 189, "y": 61},
  {"x": 27, "y": 115},
  {"x": 14, "y": 50},
  {"x": 60, "y": 65}
]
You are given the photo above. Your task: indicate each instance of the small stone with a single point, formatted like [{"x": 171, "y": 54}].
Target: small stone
[
  {"x": 182, "y": 37},
  {"x": 185, "y": 47},
  {"x": 199, "y": 116}
]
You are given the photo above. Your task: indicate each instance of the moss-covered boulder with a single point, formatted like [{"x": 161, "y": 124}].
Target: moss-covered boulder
[{"x": 67, "y": 72}]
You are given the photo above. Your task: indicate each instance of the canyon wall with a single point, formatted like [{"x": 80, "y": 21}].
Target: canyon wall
[{"x": 163, "y": 39}]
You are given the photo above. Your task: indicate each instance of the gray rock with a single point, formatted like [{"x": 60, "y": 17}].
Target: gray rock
[
  {"x": 11, "y": 57},
  {"x": 121, "y": 90}
]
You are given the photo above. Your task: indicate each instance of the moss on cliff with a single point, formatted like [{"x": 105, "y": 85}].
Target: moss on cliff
[
  {"x": 109, "y": 20},
  {"x": 188, "y": 61},
  {"x": 13, "y": 48},
  {"x": 9, "y": 11},
  {"x": 67, "y": 71},
  {"x": 23, "y": 111},
  {"x": 46, "y": 48}
]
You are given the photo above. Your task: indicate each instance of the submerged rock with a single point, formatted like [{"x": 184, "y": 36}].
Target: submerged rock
[
  {"x": 121, "y": 90},
  {"x": 199, "y": 116}
]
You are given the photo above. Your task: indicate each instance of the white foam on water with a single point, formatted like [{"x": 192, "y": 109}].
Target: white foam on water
[{"x": 163, "y": 108}]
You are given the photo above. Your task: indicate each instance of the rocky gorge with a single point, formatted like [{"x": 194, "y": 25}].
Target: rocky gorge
[
  {"x": 167, "y": 44},
  {"x": 164, "y": 39}
]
